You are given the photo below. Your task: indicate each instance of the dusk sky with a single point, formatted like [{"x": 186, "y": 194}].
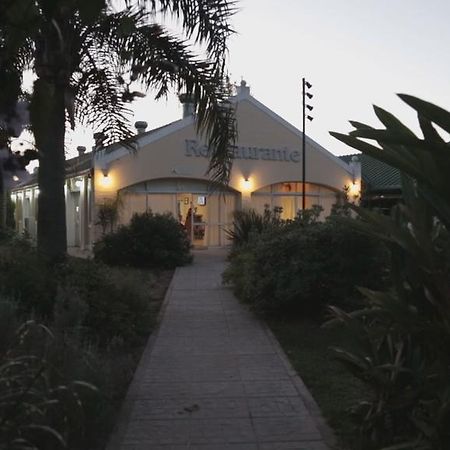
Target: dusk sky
[{"x": 355, "y": 53}]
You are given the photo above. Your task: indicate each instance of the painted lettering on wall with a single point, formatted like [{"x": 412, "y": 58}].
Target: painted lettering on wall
[{"x": 194, "y": 148}]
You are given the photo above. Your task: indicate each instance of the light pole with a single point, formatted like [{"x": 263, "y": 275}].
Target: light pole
[{"x": 306, "y": 85}]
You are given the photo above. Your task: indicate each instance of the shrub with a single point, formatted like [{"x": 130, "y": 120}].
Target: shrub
[
  {"x": 114, "y": 305},
  {"x": 24, "y": 277},
  {"x": 303, "y": 265},
  {"x": 150, "y": 240},
  {"x": 109, "y": 305},
  {"x": 99, "y": 319}
]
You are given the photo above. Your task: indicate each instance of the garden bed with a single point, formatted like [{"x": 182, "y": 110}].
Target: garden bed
[{"x": 71, "y": 337}]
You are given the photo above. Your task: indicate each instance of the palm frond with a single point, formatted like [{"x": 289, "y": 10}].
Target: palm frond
[
  {"x": 205, "y": 21},
  {"x": 173, "y": 65},
  {"x": 135, "y": 51}
]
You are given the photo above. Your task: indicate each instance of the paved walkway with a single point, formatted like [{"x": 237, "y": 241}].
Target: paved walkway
[{"x": 214, "y": 378}]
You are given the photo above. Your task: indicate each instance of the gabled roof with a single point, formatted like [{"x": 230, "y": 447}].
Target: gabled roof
[
  {"x": 245, "y": 95},
  {"x": 118, "y": 150},
  {"x": 376, "y": 174},
  {"x": 74, "y": 166},
  {"x": 136, "y": 138}
]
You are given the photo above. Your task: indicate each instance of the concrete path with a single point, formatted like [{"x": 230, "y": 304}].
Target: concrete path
[{"x": 214, "y": 378}]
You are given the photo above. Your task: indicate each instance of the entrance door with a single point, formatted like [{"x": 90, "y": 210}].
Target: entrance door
[{"x": 193, "y": 214}]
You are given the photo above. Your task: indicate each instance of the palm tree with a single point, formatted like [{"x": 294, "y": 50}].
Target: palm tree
[{"x": 88, "y": 58}]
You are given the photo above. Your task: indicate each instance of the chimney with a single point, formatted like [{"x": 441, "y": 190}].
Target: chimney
[
  {"x": 140, "y": 126},
  {"x": 99, "y": 137},
  {"x": 188, "y": 104},
  {"x": 243, "y": 90},
  {"x": 81, "y": 150}
]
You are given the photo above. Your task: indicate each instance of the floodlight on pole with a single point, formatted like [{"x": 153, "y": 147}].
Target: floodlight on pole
[{"x": 306, "y": 85}]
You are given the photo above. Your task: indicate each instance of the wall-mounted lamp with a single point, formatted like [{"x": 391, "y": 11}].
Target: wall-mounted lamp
[
  {"x": 247, "y": 184},
  {"x": 105, "y": 180}
]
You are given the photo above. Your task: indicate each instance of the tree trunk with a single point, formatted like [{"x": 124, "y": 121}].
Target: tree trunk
[
  {"x": 2, "y": 201},
  {"x": 48, "y": 123}
]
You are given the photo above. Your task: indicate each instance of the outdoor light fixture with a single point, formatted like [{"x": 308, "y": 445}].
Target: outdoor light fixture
[
  {"x": 78, "y": 183},
  {"x": 306, "y": 85},
  {"x": 15, "y": 178},
  {"x": 354, "y": 189},
  {"x": 105, "y": 180},
  {"x": 247, "y": 184}
]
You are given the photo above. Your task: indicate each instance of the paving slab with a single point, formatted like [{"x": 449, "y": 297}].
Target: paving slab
[{"x": 213, "y": 377}]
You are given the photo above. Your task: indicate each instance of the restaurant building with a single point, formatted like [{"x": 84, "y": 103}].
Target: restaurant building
[{"x": 167, "y": 173}]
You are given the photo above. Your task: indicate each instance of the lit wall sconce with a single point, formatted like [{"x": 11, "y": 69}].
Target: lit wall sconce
[
  {"x": 247, "y": 184},
  {"x": 105, "y": 180}
]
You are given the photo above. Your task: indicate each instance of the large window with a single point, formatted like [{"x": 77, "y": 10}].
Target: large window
[
  {"x": 288, "y": 196},
  {"x": 213, "y": 210}
]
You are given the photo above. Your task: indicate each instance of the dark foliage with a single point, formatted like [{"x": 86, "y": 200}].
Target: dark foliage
[
  {"x": 150, "y": 240},
  {"x": 302, "y": 265},
  {"x": 83, "y": 321},
  {"x": 403, "y": 333}
]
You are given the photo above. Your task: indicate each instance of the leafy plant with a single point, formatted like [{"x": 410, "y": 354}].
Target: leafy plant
[
  {"x": 150, "y": 240},
  {"x": 247, "y": 222},
  {"x": 404, "y": 333},
  {"x": 27, "y": 397},
  {"x": 108, "y": 213},
  {"x": 300, "y": 266}
]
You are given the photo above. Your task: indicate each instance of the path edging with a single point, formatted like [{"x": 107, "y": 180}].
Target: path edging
[{"x": 123, "y": 418}]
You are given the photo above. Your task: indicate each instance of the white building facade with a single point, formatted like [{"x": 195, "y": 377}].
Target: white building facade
[{"x": 167, "y": 173}]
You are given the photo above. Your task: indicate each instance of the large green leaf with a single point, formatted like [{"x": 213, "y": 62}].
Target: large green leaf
[
  {"x": 428, "y": 110},
  {"x": 391, "y": 122}
]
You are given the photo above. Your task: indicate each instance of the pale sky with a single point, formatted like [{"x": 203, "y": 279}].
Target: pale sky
[{"x": 354, "y": 52}]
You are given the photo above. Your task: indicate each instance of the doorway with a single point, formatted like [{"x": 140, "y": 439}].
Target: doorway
[{"x": 192, "y": 211}]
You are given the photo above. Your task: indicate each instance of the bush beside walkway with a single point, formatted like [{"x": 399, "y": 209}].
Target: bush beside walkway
[{"x": 70, "y": 339}]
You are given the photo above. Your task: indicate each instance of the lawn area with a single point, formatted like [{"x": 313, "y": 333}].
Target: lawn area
[{"x": 335, "y": 390}]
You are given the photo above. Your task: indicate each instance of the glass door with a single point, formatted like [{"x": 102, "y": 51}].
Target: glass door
[{"x": 193, "y": 213}]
